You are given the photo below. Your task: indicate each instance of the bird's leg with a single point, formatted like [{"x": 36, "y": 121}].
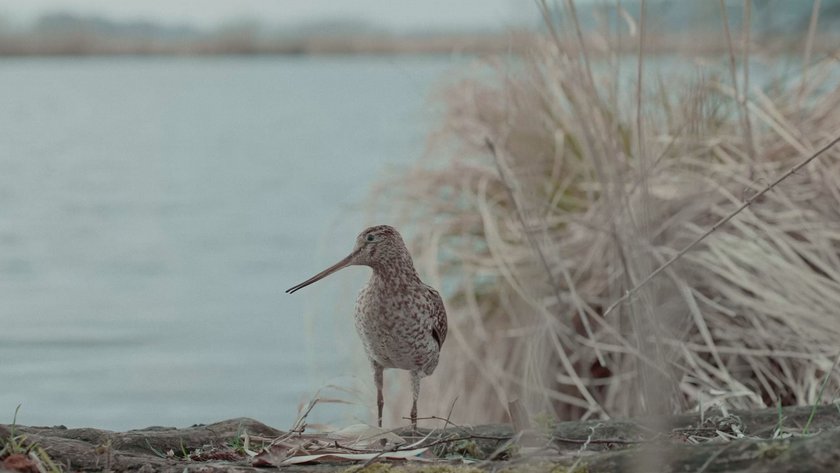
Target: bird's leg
[
  {"x": 377, "y": 379},
  {"x": 415, "y": 392}
]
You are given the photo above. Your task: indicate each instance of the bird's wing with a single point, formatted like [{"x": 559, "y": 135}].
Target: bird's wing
[{"x": 439, "y": 326}]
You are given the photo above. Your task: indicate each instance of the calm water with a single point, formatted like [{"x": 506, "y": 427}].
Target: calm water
[{"x": 152, "y": 211}]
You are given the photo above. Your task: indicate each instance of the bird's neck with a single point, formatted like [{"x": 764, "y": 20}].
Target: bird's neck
[{"x": 393, "y": 272}]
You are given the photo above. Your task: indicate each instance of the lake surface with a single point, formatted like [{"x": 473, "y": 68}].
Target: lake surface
[{"x": 153, "y": 211}]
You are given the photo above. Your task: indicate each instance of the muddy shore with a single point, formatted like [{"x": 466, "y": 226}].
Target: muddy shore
[{"x": 753, "y": 441}]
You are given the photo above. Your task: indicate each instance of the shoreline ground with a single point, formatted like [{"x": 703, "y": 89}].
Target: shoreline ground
[{"x": 768, "y": 440}]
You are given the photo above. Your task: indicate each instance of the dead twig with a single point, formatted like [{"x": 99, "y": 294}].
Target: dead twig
[
  {"x": 444, "y": 419},
  {"x": 456, "y": 439},
  {"x": 553, "y": 438},
  {"x": 376, "y": 457},
  {"x": 590, "y": 441}
]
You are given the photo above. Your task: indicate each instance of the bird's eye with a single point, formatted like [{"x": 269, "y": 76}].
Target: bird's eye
[{"x": 369, "y": 238}]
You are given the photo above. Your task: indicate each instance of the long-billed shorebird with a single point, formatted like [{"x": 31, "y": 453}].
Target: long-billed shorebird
[{"x": 401, "y": 320}]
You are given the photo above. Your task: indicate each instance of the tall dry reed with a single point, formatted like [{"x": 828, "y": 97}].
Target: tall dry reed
[{"x": 558, "y": 182}]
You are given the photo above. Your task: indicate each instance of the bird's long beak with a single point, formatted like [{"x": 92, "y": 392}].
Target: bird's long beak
[{"x": 341, "y": 264}]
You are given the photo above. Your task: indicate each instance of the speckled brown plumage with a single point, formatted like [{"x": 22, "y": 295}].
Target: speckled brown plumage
[{"x": 401, "y": 320}]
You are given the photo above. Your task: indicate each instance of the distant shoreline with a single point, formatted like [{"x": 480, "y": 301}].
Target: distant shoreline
[{"x": 83, "y": 44}]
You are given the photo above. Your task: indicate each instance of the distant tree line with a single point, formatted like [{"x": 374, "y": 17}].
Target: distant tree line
[{"x": 696, "y": 23}]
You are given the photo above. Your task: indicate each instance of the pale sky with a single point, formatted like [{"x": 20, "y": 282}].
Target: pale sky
[{"x": 393, "y": 14}]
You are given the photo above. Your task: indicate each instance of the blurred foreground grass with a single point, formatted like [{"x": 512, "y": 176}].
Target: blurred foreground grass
[{"x": 600, "y": 175}]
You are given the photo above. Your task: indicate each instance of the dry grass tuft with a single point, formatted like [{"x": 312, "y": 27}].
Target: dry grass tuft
[{"x": 602, "y": 171}]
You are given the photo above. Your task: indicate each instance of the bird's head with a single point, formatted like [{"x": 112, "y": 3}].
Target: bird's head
[
  {"x": 374, "y": 246},
  {"x": 377, "y": 244}
]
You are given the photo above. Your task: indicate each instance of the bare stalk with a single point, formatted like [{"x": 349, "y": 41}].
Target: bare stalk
[
  {"x": 639, "y": 71},
  {"x": 740, "y": 97},
  {"x": 745, "y": 50},
  {"x": 554, "y": 285},
  {"x": 809, "y": 45}
]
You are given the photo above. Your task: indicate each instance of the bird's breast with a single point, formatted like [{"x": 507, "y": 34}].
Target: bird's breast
[{"x": 394, "y": 332}]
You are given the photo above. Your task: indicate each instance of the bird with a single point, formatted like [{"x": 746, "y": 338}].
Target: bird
[{"x": 400, "y": 320}]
